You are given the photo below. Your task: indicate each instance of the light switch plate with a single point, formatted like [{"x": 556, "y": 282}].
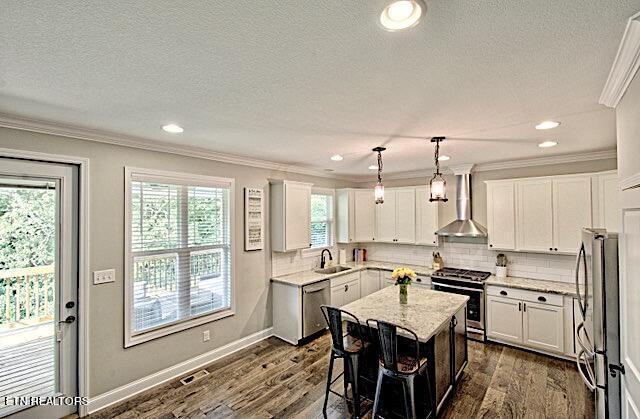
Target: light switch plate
[
  {"x": 104, "y": 277},
  {"x": 206, "y": 336}
]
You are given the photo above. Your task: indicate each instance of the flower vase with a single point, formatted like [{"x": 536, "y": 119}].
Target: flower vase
[{"x": 404, "y": 293}]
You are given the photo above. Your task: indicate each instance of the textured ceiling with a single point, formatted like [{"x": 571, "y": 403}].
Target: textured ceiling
[{"x": 298, "y": 81}]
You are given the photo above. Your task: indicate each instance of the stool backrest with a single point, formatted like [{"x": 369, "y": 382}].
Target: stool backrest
[
  {"x": 388, "y": 343},
  {"x": 335, "y": 318}
]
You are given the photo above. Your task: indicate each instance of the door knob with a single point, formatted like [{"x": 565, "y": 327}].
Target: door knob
[{"x": 68, "y": 320}]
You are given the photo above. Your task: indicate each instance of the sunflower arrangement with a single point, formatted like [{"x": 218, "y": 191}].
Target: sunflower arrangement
[{"x": 403, "y": 276}]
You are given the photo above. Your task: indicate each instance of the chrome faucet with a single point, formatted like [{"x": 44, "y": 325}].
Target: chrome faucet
[{"x": 322, "y": 261}]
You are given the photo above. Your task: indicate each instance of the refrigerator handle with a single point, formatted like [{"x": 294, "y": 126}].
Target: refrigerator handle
[{"x": 582, "y": 256}]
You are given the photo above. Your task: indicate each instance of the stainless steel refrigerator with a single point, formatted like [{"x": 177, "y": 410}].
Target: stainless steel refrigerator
[{"x": 598, "y": 334}]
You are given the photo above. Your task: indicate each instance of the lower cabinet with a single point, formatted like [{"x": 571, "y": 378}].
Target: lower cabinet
[
  {"x": 369, "y": 282},
  {"x": 522, "y": 318},
  {"x": 345, "y": 293}
]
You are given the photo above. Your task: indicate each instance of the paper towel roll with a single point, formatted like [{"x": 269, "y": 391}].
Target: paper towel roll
[{"x": 342, "y": 256}]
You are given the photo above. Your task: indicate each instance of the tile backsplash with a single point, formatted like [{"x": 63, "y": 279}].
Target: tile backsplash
[{"x": 476, "y": 256}]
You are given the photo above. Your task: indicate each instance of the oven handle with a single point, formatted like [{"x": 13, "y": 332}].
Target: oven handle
[{"x": 455, "y": 287}]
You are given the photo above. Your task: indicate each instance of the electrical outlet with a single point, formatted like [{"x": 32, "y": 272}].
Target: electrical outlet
[
  {"x": 206, "y": 336},
  {"x": 103, "y": 277}
]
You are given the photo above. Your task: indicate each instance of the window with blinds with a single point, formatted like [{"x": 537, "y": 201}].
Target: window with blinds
[
  {"x": 321, "y": 220},
  {"x": 179, "y": 252}
]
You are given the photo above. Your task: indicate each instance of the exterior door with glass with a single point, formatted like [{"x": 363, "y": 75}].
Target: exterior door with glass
[{"x": 38, "y": 289}]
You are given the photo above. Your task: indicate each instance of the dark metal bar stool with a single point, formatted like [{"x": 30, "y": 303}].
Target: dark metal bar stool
[
  {"x": 400, "y": 367},
  {"x": 349, "y": 348}
]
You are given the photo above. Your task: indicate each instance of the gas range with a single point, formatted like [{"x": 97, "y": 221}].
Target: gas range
[
  {"x": 471, "y": 284},
  {"x": 461, "y": 274}
]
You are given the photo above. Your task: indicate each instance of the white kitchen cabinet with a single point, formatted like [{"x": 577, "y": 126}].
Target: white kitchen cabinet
[
  {"x": 501, "y": 215},
  {"x": 364, "y": 215},
  {"x": 530, "y": 319},
  {"x": 426, "y": 218},
  {"x": 396, "y": 217},
  {"x": 369, "y": 282},
  {"x": 606, "y": 204},
  {"x": 386, "y": 218},
  {"x": 535, "y": 214},
  {"x": 571, "y": 211},
  {"x": 504, "y": 319},
  {"x": 543, "y": 326},
  {"x": 345, "y": 293},
  {"x": 356, "y": 219},
  {"x": 290, "y": 215}
]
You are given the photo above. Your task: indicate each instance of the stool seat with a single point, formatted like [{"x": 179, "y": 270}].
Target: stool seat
[
  {"x": 408, "y": 365},
  {"x": 352, "y": 344}
]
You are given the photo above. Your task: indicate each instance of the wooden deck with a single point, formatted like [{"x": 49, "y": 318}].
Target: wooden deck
[{"x": 26, "y": 363}]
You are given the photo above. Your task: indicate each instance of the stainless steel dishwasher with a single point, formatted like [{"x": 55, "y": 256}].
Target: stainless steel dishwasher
[{"x": 313, "y": 296}]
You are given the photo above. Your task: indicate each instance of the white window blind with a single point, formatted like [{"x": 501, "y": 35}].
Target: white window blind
[
  {"x": 321, "y": 220},
  {"x": 180, "y": 251}
]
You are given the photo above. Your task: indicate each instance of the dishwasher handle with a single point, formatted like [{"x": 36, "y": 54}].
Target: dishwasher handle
[{"x": 310, "y": 289}]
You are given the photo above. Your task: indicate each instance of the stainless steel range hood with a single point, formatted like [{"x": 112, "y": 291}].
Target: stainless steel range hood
[{"x": 463, "y": 226}]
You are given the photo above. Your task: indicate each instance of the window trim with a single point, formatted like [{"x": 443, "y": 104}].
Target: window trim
[
  {"x": 315, "y": 251},
  {"x": 163, "y": 176}
]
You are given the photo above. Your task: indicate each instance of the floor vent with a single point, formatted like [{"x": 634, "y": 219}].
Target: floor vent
[{"x": 194, "y": 377}]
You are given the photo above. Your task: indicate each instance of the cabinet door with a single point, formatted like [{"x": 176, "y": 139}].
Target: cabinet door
[
  {"x": 386, "y": 218},
  {"x": 501, "y": 215},
  {"x": 571, "y": 212},
  {"x": 297, "y": 216},
  {"x": 351, "y": 291},
  {"x": 406, "y": 215},
  {"x": 426, "y": 218},
  {"x": 535, "y": 215},
  {"x": 369, "y": 282},
  {"x": 504, "y": 319},
  {"x": 543, "y": 326},
  {"x": 606, "y": 202},
  {"x": 337, "y": 296},
  {"x": 364, "y": 216},
  {"x": 345, "y": 215}
]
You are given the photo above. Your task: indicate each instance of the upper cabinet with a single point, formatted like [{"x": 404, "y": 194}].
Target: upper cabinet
[
  {"x": 396, "y": 217},
  {"x": 535, "y": 215},
  {"x": 606, "y": 205},
  {"x": 543, "y": 214},
  {"x": 364, "y": 215},
  {"x": 571, "y": 212},
  {"x": 290, "y": 208},
  {"x": 426, "y": 218},
  {"x": 501, "y": 215},
  {"x": 356, "y": 215}
]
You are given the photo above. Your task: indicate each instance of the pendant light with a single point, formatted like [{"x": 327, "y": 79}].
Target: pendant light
[
  {"x": 437, "y": 184},
  {"x": 378, "y": 192}
]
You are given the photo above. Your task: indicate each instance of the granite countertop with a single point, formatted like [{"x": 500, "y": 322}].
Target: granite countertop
[
  {"x": 553, "y": 287},
  {"x": 300, "y": 279},
  {"x": 426, "y": 312}
]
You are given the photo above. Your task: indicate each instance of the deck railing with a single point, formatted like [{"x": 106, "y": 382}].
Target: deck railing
[{"x": 27, "y": 295}]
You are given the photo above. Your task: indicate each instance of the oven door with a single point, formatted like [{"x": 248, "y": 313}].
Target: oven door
[{"x": 475, "y": 306}]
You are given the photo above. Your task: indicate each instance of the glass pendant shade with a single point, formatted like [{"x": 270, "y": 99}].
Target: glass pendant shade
[
  {"x": 438, "y": 189},
  {"x": 378, "y": 193}
]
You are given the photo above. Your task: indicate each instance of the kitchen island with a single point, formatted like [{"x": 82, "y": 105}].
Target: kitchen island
[{"x": 438, "y": 319}]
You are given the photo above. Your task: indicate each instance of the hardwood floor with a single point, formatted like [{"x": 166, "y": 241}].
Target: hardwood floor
[{"x": 275, "y": 379}]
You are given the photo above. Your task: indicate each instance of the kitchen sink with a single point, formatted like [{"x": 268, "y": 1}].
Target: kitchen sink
[{"x": 332, "y": 269}]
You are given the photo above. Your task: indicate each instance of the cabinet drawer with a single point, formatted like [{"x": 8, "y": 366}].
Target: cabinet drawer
[
  {"x": 343, "y": 279},
  {"x": 526, "y": 295}
]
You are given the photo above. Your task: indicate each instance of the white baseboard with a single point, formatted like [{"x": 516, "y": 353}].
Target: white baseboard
[{"x": 129, "y": 390}]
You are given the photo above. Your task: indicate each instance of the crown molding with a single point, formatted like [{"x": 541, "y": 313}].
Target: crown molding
[
  {"x": 631, "y": 182},
  {"x": 625, "y": 65},
  {"x": 513, "y": 164},
  {"x": 69, "y": 131}
]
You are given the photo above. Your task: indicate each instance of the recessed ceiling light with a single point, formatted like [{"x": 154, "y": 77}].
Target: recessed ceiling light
[
  {"x": 547, "y": 124},
  {"x": 444, "y": 158},
  {"x": 402, "y": 14},
  {"x": 173, "y": 128},
  {"x": 373, "y": 167},
  {"x": 337, "y": 157},
  {"x": 547, "y": 144}
]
